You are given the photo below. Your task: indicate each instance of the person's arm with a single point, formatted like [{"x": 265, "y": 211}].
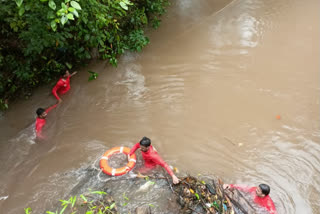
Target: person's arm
[
  {"x": 162, "y": 163},
  {"x": 271, "y": 207},
  {"x": 50, "y": 108},
  {"x": 74, "y": 73},
  {"x": 54, "y": 91},
  {"x": 239, "y": 187},
  {"x": 134, "y": 148}
]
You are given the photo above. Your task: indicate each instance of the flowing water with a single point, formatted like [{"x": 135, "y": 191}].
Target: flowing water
[{"x": 228, "y": 88}]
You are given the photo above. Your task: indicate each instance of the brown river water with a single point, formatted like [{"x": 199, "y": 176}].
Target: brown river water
[{"x": 208, "y": 91}]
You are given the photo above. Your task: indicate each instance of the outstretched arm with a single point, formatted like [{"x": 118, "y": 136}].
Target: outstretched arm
[
  {"x": 239, "y": 187},
  {"x": 50, "y": 108},
  {"x": 162, "y": 163},
  {"x": 74, "y": 73},
  {"x": 54, "y": 91},
  {"x": 134, "y": 148}
]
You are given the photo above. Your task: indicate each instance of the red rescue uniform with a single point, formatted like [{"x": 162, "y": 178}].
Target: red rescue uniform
[
  {"x": 40, "y": 122},
  {"x": 152, "y": 158},
  {"x": 62, "y": 87},
  {"x": 265, "y": 202}
]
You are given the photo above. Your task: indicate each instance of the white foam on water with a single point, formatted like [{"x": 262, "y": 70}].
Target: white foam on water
[{"x": 4, "y": 197}]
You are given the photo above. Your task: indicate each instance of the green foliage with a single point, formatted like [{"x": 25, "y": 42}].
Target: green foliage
[
  {"x": 71, "y": 206},
  {"x": 42, "y": 38},
  {"x": 28, "y": 210},
  {"x": 98, "y": 192}
]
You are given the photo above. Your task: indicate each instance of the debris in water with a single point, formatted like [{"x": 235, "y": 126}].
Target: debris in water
[
  {"x": 197, "y": 196},
  {"x": 146, "y": 186}
]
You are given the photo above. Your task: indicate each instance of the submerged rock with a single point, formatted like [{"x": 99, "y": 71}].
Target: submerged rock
[{"x": 143, "y": 210}]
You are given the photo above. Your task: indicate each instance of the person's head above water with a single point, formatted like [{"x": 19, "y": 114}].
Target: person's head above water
[
  {"x": 144, "y": 144},
  {"x": 41, "y": 113},
  {"x": 263, "y": 190},
  {"x": 65, "y": 74}
]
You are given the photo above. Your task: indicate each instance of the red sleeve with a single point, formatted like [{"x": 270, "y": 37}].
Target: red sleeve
[
  {"x": 50, "y": 108},
  {"x": 134, "y": 148},
  {"x": 241, "y": 187},
  {"x": 55, "y": 89},
  {"x": 271, "y": 207},
  {"x": 162, "y": 163}
]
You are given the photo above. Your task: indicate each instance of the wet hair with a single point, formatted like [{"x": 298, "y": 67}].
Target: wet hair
[
  {"x": 145, "y": 142},
  {"x": 265, "y": 189},
  {"x": 40, "y": 111}
]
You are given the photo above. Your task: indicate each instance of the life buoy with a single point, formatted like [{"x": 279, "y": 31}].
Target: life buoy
[{"x": 117, "y": 171}]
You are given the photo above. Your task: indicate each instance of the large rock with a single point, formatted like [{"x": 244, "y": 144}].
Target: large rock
[{"x": 143, "y": 210}]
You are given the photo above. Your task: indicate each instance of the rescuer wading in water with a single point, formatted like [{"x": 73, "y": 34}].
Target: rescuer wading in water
[
  {"x": 260, "y": 195},
  {"x": 151, "y": 158},
  {"x": 41, "y": 120},
  {"x": 63, "y": 85}
]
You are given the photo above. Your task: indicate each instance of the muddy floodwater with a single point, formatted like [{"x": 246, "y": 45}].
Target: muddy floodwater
[{"x": 228, "y": 88}]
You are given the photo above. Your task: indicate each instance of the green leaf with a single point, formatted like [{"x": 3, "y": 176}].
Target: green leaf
[
  {"x": 70, "y": 16},
  {"x": 50, "y": 15},
  {"x": 63, "y": 19},
  {"x": 76, "y": 13},
  {"x": 69, "y": 66},
  {"x": 84, "y": 198},
  {"x": 123, "y": 5},
  {"x": 151, "y": 205},
  {"x": 64, "y": 202},
  {"x": 21, "y": 11},
  {"x": 28, "y": 7},
  {"x": 75, "y": 197},
  {"x": 61, "y": 212},
  {"x": 53, "y": 25},
  {"x": 66, "y": 1},
  {"x": 98, "y": 192},
  {"x": 64, "y": 6},
  {"x": 71, "y": 9},
  {"x": 52, "y": 5},
  {"x": 19, "y": 2},
  {"x": 127, "y": 2},
  {"x": 43, "y": 0},
  {"x": 49, "y": 212},
  {"x": 75, "y": 5},
  {"x": 28, "y": 210},
  {"x": 196, "y": 194},
  {"x": 86, "y": 37},
  {"x": 112, "y": 206}
]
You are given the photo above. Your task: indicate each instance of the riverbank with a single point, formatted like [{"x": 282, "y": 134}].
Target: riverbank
[{"x": 40, "y": 39}]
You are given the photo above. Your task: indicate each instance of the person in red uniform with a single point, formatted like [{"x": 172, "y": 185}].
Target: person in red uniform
[
  {"x": 63, "y": 85},
  {"x": 152, "y": 158},
  {"x": 260, "y": 195},
  {"x": 41, "y": 120}
]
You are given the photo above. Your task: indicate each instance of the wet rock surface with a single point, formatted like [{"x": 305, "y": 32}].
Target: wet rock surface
[{"x": 143, "y": 210}]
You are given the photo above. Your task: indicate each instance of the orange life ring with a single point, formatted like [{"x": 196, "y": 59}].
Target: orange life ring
[{"x": 117, "y": 171}]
